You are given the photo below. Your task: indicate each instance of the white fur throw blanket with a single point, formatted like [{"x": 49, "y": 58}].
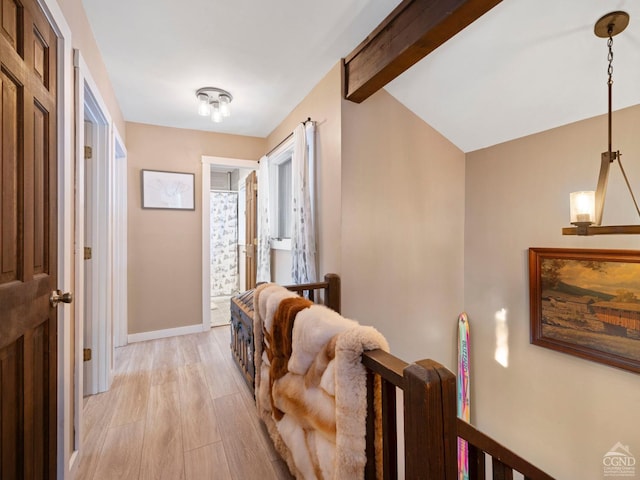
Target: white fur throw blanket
[{"x": 312, "y": 396}]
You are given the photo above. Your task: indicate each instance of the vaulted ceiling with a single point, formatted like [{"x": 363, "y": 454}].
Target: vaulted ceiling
[{"x": 524, "y": 67}]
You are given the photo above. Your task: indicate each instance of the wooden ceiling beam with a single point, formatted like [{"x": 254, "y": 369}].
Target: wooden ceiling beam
[{"x": 413, "y": 30}]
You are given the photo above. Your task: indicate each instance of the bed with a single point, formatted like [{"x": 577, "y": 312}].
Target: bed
[{"x": 431, "y": 427}]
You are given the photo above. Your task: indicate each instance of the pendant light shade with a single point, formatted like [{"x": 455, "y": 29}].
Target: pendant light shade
[{"x": 583, "y": 207}]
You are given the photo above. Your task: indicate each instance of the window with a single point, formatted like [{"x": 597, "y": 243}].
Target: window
[
  {"x": 281, "y": 197},
  {"x": 284, "y": 200}
]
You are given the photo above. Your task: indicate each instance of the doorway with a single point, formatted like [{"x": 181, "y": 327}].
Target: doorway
[
  {"x": 227, "y": 233},
  {"x": 97, "y": 248},
  {"x": 223, "y": 235},
  {"x": 100, "y": 238},
  {"x": 224, "y": 211}
]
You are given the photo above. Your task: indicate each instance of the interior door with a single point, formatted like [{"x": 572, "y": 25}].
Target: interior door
[
  {"x": 251, "y": 185},
  {"x": 28, "y": 242}
]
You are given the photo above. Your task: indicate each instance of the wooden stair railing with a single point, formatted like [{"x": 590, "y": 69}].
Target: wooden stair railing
[
  {"x": 431, "y": 426},
  {"x": 331, "y": 287}
]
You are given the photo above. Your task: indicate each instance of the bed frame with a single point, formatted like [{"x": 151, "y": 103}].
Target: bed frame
[{"x": 431, "y": 426}]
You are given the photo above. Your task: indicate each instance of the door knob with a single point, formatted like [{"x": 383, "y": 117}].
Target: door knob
[{"x": 57, "y": 296}]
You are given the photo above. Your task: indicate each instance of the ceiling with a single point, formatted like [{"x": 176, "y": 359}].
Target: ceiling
[{"x": 524, "y": 67}]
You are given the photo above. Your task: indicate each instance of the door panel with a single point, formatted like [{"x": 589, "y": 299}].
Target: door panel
[
  {"x": 9, "y": 186},
  {"x": 41, "y": 193},
  {"x": 28, "y": 242},
  {"x": 10, "y": 21}
]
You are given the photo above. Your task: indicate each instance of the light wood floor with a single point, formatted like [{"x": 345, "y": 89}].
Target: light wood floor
[
  {"x": 178, "y": 409},
  {"x": 220, "y": 311}
]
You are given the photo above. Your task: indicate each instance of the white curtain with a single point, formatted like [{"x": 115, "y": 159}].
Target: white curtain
[
  {"x": 263, "y": 255},
  {"x": 224, "y": 243},
  {"x": 303, "y": 237}
]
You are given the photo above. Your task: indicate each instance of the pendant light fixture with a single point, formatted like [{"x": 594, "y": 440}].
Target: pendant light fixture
[
  {"x": 214, "y": 102},
  {"x": 587, "y": 207}
]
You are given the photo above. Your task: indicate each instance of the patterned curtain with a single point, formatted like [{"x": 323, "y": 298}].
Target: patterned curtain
[
  {"x": 303, "y": 244},
  {"x": 263, "y": 255},
  {"x": 224, "y": 243}
]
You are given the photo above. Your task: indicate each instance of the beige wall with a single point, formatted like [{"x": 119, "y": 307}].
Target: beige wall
[
  {"x": 165, "y": 246},
  {"x": 323, "y": 105},
  {"x": 561, "y": 412},
  {"x": 402, "y": 228},
  {"x": 83, "y": 40}
]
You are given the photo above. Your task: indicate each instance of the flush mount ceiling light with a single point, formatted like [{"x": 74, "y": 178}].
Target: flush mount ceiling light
[
  {"x": 587, "y": 207},
  {"x": 214, "y": 102}
]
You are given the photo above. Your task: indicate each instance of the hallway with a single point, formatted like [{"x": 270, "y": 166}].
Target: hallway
[{"x": 178, "y": 409}]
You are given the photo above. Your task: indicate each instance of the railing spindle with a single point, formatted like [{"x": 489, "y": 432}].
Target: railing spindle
[
  {"x": 370, "y": 467},
  {"x": 476, "y": 463},
  {"x": 389, "y": 432},
  {"x": 500, "y": 470}
]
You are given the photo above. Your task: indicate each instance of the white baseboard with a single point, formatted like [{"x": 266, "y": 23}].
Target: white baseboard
[{"x": 168, "y": 332}]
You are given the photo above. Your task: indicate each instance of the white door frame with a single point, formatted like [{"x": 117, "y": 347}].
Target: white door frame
[
  {"x": 119, "y": 277},
  {"x": 91, "y": 107},
  {"x": 207, "y": 161},
  {"x": 85, "y": 269}
]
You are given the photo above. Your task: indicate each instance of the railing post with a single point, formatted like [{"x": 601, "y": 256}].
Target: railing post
[
  {"x": 332, "y": 299},
  {"x": 430, "y": 422}
]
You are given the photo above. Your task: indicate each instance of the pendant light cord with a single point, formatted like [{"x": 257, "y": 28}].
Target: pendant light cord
[{"x": 610, "y": 83}]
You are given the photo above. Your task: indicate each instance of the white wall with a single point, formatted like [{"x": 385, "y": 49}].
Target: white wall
[
  {"x": 281, "y": 266},
  {"x": 561, "y": 412}
]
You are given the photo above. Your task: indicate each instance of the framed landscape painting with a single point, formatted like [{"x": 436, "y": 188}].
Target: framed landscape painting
[{"x": 587, "y": 303}]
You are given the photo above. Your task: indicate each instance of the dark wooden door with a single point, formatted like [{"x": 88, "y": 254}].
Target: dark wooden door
[
  {"x": 28, "y": 242},
  {"x": 251, "y": 240}
]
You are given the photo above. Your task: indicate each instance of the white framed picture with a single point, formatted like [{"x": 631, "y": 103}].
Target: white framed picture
[{"x": 168, "y": 190}]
